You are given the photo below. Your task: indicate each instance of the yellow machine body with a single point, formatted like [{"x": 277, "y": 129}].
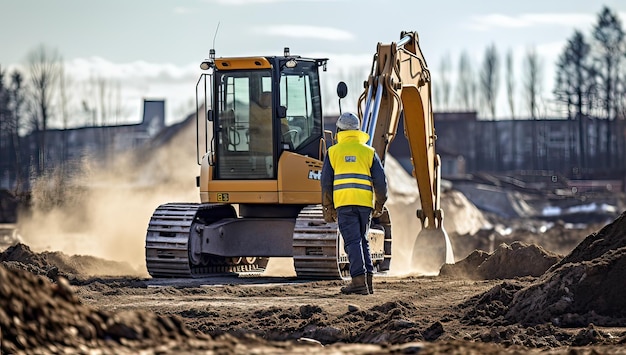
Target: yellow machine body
[{"x": 297, "y": 182}]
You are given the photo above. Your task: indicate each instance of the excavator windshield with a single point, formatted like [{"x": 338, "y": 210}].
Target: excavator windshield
[{"x": 300, "y": 96}]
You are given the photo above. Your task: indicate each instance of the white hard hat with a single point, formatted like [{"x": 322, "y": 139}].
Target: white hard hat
[{"x": 348, "y": 121}]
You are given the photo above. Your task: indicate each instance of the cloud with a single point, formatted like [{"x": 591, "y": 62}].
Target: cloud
[
  {"x": 138, "y": 80},
  {"x": 85, "y": 68},
  {"x": 244, "y": 2},
  {"x": 495, "y": 21},
  {"x": 180, "y": 10},
  {"x": 302, "y": 31},
  {"x": 250, "y": 2}
]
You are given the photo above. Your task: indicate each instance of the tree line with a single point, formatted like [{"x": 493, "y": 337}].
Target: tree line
[
  {"x": 42, "y": 95},
  {"x": 590, "y": 88},
  {"x": 591, "y": 82}
]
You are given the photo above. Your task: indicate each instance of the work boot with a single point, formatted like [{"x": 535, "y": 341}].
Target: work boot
[
  {"x": 357, "y": 286},
  {"x": 370, "y": 282}
]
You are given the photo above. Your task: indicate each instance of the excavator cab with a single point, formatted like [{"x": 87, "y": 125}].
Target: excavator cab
[
  {"x": 259, "y": 108},
  {"x": 263, "y": 133}
]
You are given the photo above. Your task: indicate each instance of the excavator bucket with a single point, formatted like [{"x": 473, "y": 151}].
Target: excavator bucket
[{"x": 431, "y": 250}]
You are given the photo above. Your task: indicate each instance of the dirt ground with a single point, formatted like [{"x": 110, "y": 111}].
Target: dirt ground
[
  {"x": 517, "y": 287},
  {"x": 519, "y": 298}
]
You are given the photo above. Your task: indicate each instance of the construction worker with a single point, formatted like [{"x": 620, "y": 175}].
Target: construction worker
[
  {"x": 353, "y": 184},
  {"x": 261, "y": 124}
]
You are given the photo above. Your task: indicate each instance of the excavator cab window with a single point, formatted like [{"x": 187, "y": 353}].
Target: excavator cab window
[
  {"x": 244, "y": 128},
  {"x": 300, "y": 95}
]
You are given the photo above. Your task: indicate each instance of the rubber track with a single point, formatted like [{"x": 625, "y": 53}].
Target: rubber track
[
  {"x": 167, "y": 246},
  {"x": 315, "y": 248}
]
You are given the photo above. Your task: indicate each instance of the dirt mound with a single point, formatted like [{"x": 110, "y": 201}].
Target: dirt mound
[
  {"x": 609, "y": 238},
  {"x": 37, "y": 314},
  {"x": 557, "y": 237},
  {"x": 489, "y": 308},
  {"x": 506, "y": 262},
  {"x": 41, "y": 317},
  {"x": 587, "y": 286},
  {"x": 52, "y": 264},
  {"x": 22, "y": 253}
]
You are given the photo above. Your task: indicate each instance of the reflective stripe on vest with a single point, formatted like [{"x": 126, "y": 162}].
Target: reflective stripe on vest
[{"x": 351, "y": 162}]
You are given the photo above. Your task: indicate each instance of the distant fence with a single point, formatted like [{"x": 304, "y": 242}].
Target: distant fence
[{"x": 597, "y": 185}]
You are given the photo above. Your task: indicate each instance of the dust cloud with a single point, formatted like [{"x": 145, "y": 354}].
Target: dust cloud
[
  {"x": 461, "y": 217},
  {"x": 280, "y": 267},
  {"x": 105, "y": 208}
]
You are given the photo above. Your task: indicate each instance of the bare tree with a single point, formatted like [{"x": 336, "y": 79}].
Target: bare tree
[
  {"x": 94, "y": 102},
  {"x": 609, "y": 51},
  {"x": 355, "y": 78},
  {"x": 532, "y": 89},
  {"x": 532, "y": 84},
  {"x": 18, "y": 99},
  {"x": 573, "y": 83},
  {"x": 465, "y": 83},
  {"x": 490, "y": 79},
  {"x": 103, "y": 89},
  {"x": 573, "y": 79},
  {"x": 438, "y": 96},
  {"x": 45, "y": 67},
  {"x": 117, "y": 109},
  {"x": 510, "y": 83},
  {"x": 474, "y": 96},
  {"x": 6, "y": 121},
  {"x": 445, "y": 82},
  {"x": 510, "y": 93},
  {"x": 12, "y": 99},
  {"x": 64, "y": 82}
]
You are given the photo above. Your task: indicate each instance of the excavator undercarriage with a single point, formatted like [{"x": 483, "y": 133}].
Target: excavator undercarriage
[{"x": 179, "y": 235}]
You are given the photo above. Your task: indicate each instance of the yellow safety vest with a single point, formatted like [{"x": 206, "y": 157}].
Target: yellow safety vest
[{"x": 351, "y": 160}]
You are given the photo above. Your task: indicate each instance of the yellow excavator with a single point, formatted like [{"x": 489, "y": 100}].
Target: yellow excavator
[{"x": 261, "y": 144}]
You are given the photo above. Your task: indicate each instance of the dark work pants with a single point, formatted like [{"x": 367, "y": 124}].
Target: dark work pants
[{"x": 354, "y": 222}]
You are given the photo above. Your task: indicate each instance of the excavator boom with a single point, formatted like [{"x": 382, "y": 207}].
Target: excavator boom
[{"x": 399, "y": 85}]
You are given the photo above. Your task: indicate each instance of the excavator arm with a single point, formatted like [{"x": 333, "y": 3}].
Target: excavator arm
[{"x": 399, "y": 84}]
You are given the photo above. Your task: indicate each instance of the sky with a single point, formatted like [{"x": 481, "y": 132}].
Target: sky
[{"x": 152, "y": 48}]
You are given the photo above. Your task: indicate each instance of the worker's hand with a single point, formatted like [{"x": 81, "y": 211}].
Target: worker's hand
[
  {"x": 378, "y": 210},
  {"x": 330, "y": 214}
]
